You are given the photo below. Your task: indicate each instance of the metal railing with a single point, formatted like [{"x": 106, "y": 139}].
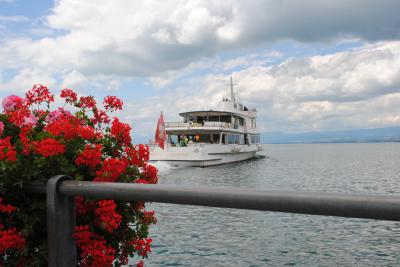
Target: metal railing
[
  {"x": 61, "y": 191},
  {"x": 214, "y": 124}
]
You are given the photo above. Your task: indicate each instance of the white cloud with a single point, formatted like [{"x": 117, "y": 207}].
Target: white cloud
[
  {"x": 136, "y": 38},
  {"x": 26, "y": 78}
]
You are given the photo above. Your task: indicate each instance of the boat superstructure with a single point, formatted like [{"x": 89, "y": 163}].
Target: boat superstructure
[{"x": 211, "y": 137}]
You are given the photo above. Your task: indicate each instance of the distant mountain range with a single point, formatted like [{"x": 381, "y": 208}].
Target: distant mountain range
[{"x": 389, "y": 134}]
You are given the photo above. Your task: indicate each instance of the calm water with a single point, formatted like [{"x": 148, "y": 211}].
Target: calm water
[{"x": 200, "y": 236}]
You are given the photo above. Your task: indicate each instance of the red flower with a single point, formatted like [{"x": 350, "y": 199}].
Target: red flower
[
  {"x": 112, "y": 103},
  {"x": 86, "y": 132},
  {"x": 150, "y": 174},
  {"x": 138, "y": 155},
  {"x": 49, "y": 147},
  {"x": 26, "y": 143},
  {"x": 7, "y": 151},
  {"x": 93, "y": 248},
  {"x": 142, "y": 246},
  {"x": 107, "y": 218},
  {"x": 38, "y": 94},
  {"x": 90, "y": 156},
  {"x": 6, "y": 208},
  {"x": 65, "y": 127},
  {"x": 87, "y": 102},
  {"x": 121, "y": 132},
  {"x": 111, "y": 170},
  {"x": 11, "y": 240},
  {"x": 22, "y": 117},
  {"x": 148, "y": 217},
  {"x": 100, "y": 116},
  {"x": 69, "y": 95}
]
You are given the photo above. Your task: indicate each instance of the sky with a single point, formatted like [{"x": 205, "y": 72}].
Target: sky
[{"x": 305, "y": 65}]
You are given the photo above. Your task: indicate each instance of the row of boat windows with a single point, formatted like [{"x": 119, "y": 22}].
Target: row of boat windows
[
  {"x": 235, "y": 120},
  {"x": 224, "y": 138}
]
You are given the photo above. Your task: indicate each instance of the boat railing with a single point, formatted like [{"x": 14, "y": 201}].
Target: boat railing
[
  {"x": 169, "y": 146},
  {"x": 61, "y": 191},
  {"x": 213, "y": 124}
]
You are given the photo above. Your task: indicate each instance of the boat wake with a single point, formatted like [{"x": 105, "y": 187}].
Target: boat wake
[{"x": 163, "y": 166}]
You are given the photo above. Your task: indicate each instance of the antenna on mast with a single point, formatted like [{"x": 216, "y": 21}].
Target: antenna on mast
[{"x": 232, "y": 94}]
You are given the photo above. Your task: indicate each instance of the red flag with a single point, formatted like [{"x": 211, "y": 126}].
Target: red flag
[{"x": 161, "y": 135}]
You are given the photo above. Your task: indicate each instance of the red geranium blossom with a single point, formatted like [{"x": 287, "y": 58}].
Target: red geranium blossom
[
  {"x": 107, "y": 218},
  {"x": 90, "y": 156},
  {"x": 69, "y": 95},
  {"x": 121, "y": 132},
  {"x": 49, "y": 147},
  {"x": 87, "y": 102},
  {"x": 38, "y": 94},
  {"x": 7, "y": 151},
  {"x": 112, "y": 103},
  {"x": 111, "y": 170}
]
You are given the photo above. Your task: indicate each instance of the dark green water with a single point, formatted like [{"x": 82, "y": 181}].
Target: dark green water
[{"x": 200, "y": 236}]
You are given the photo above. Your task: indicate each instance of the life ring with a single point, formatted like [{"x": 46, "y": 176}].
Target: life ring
[{"x": 190, "y": 123}]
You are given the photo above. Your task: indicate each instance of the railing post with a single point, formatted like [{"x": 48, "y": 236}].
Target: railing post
[{"x": 60, "y": 225}]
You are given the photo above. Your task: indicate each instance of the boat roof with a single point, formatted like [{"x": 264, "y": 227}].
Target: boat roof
[
  {"x": 249, "y": 113},
  {"x": 205, "y": 131},
  {"x": 206, "y": 113}
]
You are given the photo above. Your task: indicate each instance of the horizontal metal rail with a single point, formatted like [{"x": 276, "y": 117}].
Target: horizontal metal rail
[{"x": 367, "y": 206}]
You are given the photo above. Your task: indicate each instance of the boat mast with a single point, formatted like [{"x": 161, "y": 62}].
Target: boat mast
[{"x": 232, "y": 94}]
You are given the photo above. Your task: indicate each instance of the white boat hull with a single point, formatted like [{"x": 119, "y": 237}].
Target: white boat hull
[{"x": 202, "y": 155}]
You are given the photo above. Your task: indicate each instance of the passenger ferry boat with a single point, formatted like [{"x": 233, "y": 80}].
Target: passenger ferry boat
[{"x": 210, "y": 137}]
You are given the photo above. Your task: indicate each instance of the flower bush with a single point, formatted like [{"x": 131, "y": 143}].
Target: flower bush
[{"x": 82, "y": 141}]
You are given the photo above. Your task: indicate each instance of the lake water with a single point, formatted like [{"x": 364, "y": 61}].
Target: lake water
[{"x": 202, "y": 236}]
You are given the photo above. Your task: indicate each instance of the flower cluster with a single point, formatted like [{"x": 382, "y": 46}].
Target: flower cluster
[
  {"x": 142, "y": 246},
  {"x": 94, "y": 250},
  {"x": 36, "y": 143},
  {"x": 112, "y": 103},
  {"x": 12, "y": 242},
  {"x": 107, "y": 217}
]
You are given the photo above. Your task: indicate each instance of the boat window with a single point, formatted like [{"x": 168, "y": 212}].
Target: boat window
[
  {"x": 241, "y": 139},
  {"x": 226, "y": 118},
  {"x": 253, "y": 123},
  {"x": 205, "y": 138},
  {"x": 215, "y": 138},
  {"x": 233, "y": 138},
  {"x": 240, "y": 121},
  {"x": 255, "y": 139},
  {"x": 173, "y": 139},
  {"x": 213, "y": 118},
  {"x": 236, "y": 123}
]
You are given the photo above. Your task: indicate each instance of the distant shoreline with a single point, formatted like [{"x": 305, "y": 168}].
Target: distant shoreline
[
  {"x": 375, "y": 135},
  {"x": 331, "y": 142}
]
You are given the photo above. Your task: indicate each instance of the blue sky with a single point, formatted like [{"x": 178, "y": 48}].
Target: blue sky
[{"x": 305, "y": 65}]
